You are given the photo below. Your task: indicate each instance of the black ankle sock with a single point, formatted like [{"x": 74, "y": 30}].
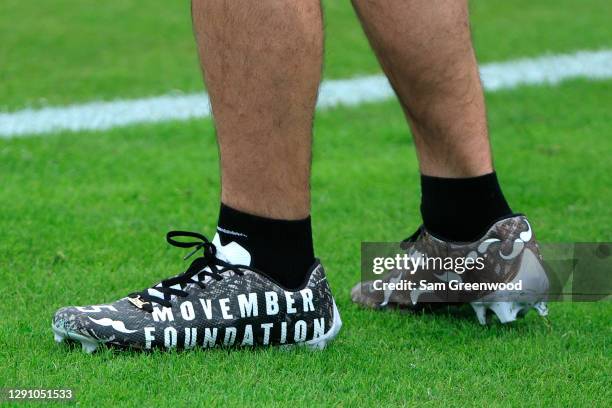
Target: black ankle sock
[
  {"x": 279, "y": 248},
  {"x": 461, "y": 209}
]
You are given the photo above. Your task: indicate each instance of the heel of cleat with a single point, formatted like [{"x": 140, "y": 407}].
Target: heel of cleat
[
  {"x": 323, "y": 341},
  {"x": 507, "y": 312}
]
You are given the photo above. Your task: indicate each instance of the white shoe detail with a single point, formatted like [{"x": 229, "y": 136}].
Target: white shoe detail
[
  {"x": 389, "y": 292},
  {"x": 230, "y": 232},
  {"x": 233, "y": 252},
  {"x": 118, "y": 325},
  {"x": 88, "y": 344},
  {"x": 95, "y": 308},
  {"x": 321, "y": 342},
  {"x": 526, "y": 236},
  {"x": 534, "y": 278}
]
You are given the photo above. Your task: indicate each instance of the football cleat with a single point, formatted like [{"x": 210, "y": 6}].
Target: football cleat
[
  {"x": 507, "y": 279},
  {"x": 219, "y": 301}
]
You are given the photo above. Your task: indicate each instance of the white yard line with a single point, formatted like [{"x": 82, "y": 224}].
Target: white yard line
[{"x": 549, "y": 69}]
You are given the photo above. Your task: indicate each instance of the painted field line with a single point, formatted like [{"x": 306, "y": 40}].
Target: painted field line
[{"x": 548, "y": 69}]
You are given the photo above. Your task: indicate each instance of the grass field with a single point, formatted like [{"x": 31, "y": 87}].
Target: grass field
[{"x": 83, "y": 216}]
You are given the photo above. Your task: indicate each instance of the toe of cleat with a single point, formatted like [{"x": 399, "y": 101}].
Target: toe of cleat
[
  {"x": 506, "y": 312},
  {"x": 59, "y": 334},
  {"x": 88, "y": 345},
  {"x": 58, "y": 338}
]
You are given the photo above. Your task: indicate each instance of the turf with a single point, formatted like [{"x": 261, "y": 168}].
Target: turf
[
  {"x": 82, "y": 218},
  {"x": 62, "y": 51}
]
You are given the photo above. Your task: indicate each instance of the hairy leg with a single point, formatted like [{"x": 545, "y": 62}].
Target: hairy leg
[
  {"x": 262, "y": 66},
  {"x": 425, "y": 49}
]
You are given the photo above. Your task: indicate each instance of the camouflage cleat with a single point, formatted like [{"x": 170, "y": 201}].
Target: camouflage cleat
[{"x": 507, "y": 276}]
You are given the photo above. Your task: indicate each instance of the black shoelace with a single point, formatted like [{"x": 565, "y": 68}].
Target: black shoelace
[{"x": 206, "y": 265}]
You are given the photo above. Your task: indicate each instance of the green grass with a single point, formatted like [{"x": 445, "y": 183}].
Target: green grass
[
  {"x": 85, "y": 50},
  {"x": 82, "y": 218}
]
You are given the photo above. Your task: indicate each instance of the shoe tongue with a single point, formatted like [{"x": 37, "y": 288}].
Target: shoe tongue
[{"x": 232, "y": 252}]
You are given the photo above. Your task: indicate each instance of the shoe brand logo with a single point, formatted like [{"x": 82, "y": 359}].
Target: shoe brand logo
[
  {"x": 230, "y": 232},
  {"x": 138, "y": 302},
  {"x": 96, "y": 308}
]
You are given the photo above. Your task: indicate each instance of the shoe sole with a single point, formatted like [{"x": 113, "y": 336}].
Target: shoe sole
[
  {"x": 507, "y": 312},
  {"x": 89, "y": 344}
]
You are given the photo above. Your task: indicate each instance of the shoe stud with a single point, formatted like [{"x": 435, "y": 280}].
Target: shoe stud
[
  {"x": 541, "y": 308},
  {"x": 481, "y": 312},
  {"x": 505, "y": 311},
  {"x": 89, "y": 346}
]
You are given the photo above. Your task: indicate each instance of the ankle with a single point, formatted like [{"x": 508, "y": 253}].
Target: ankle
[
  {"x": 462, "y": 209},
  {"x": 281, "y": 249}
]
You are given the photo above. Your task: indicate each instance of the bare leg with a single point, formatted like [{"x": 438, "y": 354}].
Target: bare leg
[
  {"x": 262, "y": 65},
  {"x": 425, "y": 49}
]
